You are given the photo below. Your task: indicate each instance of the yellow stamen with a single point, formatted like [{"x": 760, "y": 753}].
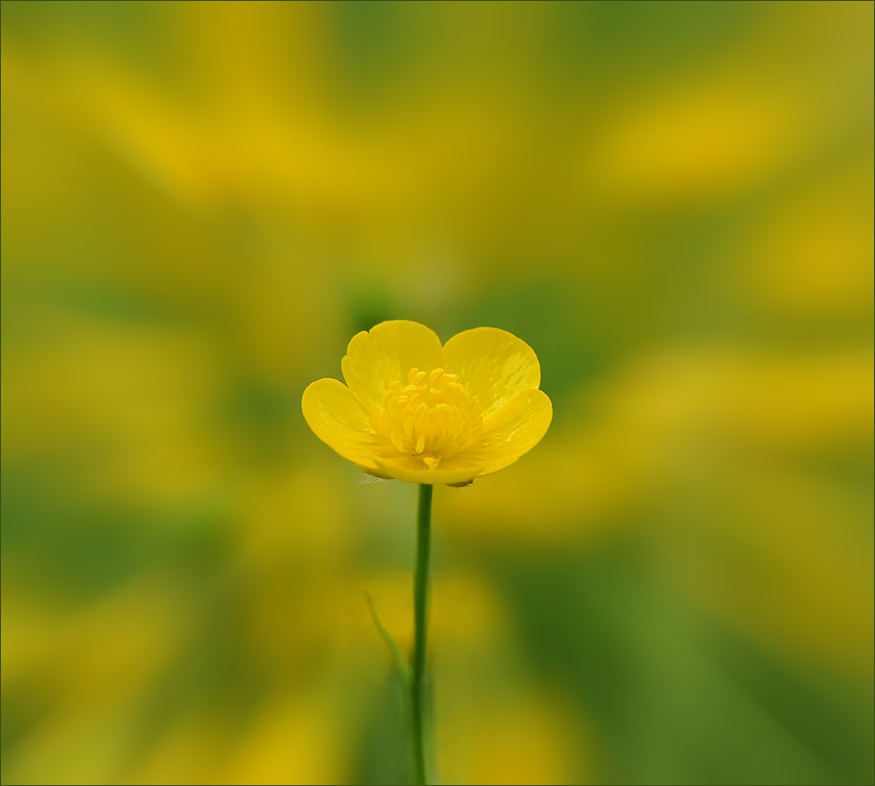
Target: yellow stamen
[{"x": 430, "y": 418}]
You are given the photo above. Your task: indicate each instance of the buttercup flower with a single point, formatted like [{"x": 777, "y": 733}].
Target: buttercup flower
[{"x": 417, "y": 411}]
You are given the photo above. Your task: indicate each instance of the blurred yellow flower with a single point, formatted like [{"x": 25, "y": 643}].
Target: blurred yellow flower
[{"x": 425, "y": 413}]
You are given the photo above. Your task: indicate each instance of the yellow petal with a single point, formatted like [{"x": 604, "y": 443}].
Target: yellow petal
[
  {"x": 492, "y": 364},
  {"x": 414, "y": 471},
  {"x": 376, "y": 358},
  {"x": 339, "y": 420},
  {"x": 511, "y": 432}
]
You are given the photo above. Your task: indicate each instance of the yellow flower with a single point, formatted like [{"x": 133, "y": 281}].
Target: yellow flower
[{"x": 426, "y": 413}]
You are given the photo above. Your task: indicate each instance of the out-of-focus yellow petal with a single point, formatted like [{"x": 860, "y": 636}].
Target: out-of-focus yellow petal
[
  {"x": 511, "y": 432},
  {"x": 339, "y": 420},
  {"x": 376, "y": 358},
  {"x": 414, "y": 471},
  {"x": 493, "y": 364}
]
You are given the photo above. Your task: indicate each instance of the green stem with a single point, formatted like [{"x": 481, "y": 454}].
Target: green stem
[{"x": 420, "y": 609}]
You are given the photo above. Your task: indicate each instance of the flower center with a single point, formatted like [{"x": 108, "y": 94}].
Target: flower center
[{"x": 431, "y": 417}]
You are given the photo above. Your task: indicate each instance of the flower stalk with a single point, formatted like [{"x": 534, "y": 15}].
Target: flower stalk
[{"x": 420, "y": 614}]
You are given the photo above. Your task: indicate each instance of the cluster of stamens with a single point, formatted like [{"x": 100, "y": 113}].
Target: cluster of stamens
[{"x": 430, "y": 418}]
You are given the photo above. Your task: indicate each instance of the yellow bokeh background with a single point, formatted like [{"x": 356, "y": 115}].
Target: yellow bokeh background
[{"x": 672, "y": 203}]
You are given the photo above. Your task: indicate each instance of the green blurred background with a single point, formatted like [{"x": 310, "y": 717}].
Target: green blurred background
[{"x": 671, "y": 202}]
